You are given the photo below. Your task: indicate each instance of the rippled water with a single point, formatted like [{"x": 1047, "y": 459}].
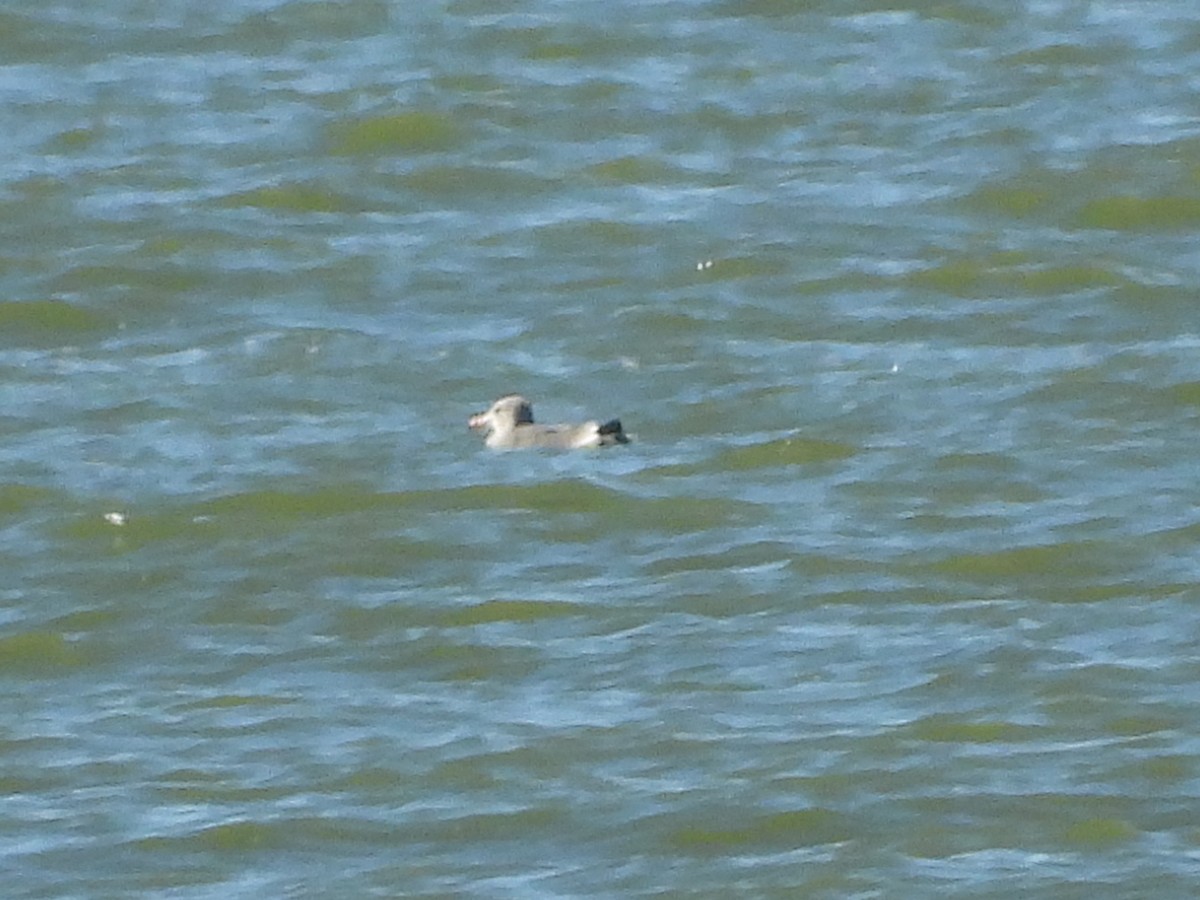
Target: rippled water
[{"x": 893, "y": 595}]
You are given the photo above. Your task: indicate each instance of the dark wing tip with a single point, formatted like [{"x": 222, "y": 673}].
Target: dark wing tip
[{"x": 612, "y": 429}]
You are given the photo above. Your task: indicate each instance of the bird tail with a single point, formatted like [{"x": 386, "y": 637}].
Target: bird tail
[{"x": 613, "y": 431}]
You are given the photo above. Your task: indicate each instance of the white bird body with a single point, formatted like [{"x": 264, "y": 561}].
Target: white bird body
[{"x": 508, "y": 424}]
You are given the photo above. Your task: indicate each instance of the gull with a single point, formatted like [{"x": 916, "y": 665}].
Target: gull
[{"x": 508, "y": 424}]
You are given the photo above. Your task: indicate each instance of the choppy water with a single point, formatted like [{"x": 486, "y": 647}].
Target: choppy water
[{"x": 894, "y": 595}]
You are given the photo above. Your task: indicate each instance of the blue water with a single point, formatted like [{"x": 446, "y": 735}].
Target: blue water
[{"x": 893, "y": 594}]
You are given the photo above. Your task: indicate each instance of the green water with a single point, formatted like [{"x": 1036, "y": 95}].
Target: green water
[{"x": 893, "y": 594}]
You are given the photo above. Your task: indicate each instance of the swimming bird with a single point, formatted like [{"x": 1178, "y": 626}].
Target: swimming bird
[{"x": 508, "y": 424}]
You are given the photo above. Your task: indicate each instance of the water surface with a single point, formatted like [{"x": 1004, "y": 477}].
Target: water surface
[{"x": 894, "y": 593}]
